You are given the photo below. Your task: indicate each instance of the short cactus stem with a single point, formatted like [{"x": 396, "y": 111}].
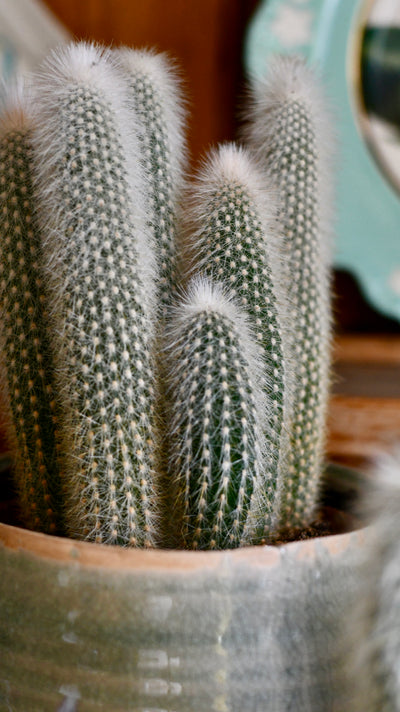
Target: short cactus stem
[
  {"x": 155, "y": 95},
  {"x": 96, "y": 243},
  {"x": 232, "y": 237},
  {"x": 216, "y": 459},
  {"x": 28, "y": 388},
  {"x": 291, "y": 133}
]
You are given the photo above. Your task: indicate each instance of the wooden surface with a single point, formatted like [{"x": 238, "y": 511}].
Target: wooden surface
[
  {"x": 364, "y": 413},
  {"x": 204, "y": 36},
  {"x": 371, "y": 349}
]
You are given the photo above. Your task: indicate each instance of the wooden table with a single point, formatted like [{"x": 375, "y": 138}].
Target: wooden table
[{"x": 364, "y": 411}]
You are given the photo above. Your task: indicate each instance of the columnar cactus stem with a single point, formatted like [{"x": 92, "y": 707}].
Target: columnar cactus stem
[
  {"x": 28, "y": 388},
  {"x": 158, "y": 106},
  {"x": 216, "y": 420},
  {"x": 232, "y": 237},
  {"x": 291, "y": 134},
  {"x": 98, "y": 257}
]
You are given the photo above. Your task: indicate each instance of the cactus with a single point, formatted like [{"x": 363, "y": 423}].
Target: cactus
[
  {"x": 90, "y": 194},
  {"x": 106, "y": 153},
  {"x": 232, "y": 237},
  {"x": 290, "y": 132},
  {"x": 156, "y": 99},
  {"x": 216, "y": 458},
  {"x": 28, "y": 388}
]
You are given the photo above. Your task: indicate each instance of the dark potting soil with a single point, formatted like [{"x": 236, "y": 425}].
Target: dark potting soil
[
  {"x": 341, "y": 490},
  {"x": 328, "y": 522}
]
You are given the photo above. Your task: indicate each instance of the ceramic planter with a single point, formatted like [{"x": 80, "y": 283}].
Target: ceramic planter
[{"x": 85, "y": 627}]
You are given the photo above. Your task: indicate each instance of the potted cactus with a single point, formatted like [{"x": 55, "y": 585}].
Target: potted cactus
[{"x": 162, "y": 422}]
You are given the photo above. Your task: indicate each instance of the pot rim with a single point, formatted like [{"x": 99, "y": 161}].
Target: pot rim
[{"x": 63, "y": 550}]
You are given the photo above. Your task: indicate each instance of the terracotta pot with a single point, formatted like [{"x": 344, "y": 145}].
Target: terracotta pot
[{"x": 85, "y": 627}]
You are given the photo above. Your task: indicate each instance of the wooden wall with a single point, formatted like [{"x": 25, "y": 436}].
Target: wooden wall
[{"x": 205, "y": 37}]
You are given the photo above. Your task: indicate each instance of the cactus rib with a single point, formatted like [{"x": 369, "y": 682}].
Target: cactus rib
[
  {"x": 290, "y": 130},
  {"x": 98, "y": 267},
  {"x": 154, "y": 91},
  {"x": 215, "y": 430},
  {"x": 26, "y": 353},
  {"x": 232, "y": 237}
]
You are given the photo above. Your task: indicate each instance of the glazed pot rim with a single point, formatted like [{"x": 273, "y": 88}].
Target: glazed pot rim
[{"x": 63, "y": 550}]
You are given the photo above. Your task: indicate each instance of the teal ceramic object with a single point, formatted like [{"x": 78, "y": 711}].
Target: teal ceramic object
[
  {"x": 8, "y": 58},
  {"x": 328, "y": 33}
]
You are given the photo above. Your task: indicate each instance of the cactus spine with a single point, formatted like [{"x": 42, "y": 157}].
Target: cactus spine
[
  {"x": 232, "y": 237},
  {"x": 217, "y": 418},
  {"x": 106, "y": 160},
  {"x": 98, "y": 266},
  {"x": 26, "y": 357},
  {"x": 158, "y": 107},
  {"x": 290, "y": 132}
]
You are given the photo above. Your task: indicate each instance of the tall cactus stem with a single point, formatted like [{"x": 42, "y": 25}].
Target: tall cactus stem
[
  {"x": 233, "y": 237},
  {"x": 157, "y": 101},
  {"x": 99, "y": 271},
  {"x": 27, "y": 364},
  {"x": 290, "y": 130},
  {"x": 216, "y": 421}
]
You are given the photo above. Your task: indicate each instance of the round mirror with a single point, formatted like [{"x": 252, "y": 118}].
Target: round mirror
[{"x": 379, "y": 100}]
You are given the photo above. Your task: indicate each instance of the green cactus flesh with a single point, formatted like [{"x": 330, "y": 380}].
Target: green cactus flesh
[
  {"x": 153, "y": 93},
  {"x": 26, "y": 354},
  {"x": 106, "y": 364},
  {"x": 293, "y": 160},
  {"x": 215, "y": 462},
  {"x": 231, "y": 245}
]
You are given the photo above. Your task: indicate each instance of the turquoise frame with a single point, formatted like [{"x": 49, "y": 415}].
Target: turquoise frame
[{"x": 367, "y": 240}]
